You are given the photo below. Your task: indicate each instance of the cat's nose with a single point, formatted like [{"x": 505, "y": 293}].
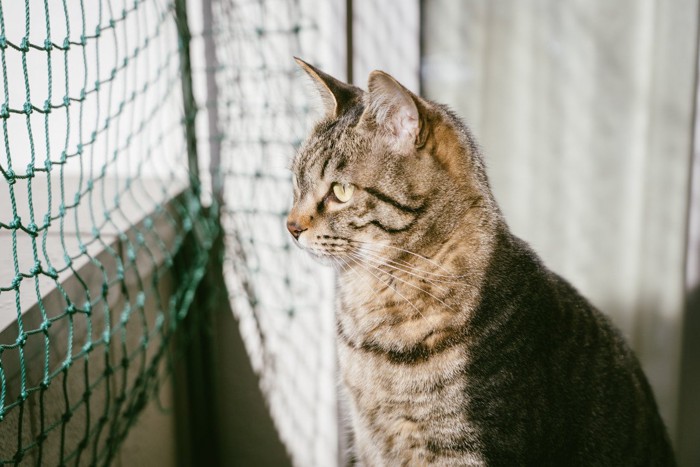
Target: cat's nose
[{"x": 294, "y": 228}]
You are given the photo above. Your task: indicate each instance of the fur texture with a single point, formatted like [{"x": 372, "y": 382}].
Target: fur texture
[{"x": 457, "y": 346}]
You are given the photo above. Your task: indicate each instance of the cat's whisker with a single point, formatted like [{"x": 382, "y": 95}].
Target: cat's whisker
[
  {"x": 379, "y": 262},
  {"x": 368, "y": 245},
  {"x": 411, "y": 285},
  {"x": 388, "y": 284},
  {"x": 408, "y": 269}
]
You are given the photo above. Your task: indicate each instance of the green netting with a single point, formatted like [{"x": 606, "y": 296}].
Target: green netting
[
  {"x": 99, "y": 197},
  {"x": 282, "y": 299}
]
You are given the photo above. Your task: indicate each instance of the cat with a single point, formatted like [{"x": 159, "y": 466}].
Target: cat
[{"x": 456, "y": 345}]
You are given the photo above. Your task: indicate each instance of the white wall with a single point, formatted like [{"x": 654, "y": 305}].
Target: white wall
[{"x": 584, "y": 112}]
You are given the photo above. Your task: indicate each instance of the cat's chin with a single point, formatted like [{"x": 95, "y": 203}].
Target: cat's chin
[{"x": 323, "y": 259}]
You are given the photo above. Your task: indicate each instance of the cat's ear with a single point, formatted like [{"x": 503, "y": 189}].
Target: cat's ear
[
  {"x": 395, "y": 108},
  {"x": 337, "y": 96}
]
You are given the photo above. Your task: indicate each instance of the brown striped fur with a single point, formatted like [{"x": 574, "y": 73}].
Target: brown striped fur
[{"x": 456, "y": 345}]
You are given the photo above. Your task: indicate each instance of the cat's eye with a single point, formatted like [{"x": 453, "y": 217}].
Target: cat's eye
[{"x": 343, "y": 191}]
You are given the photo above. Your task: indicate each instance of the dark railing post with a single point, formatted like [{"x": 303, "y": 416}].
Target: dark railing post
[{"x": 194, "y": 386}]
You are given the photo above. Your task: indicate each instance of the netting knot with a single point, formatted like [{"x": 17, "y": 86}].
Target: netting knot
[
  {"x": 52, "y": 273},
  {"x": 160, "y": 320},
  {"x": 47, "y": 44},
  {"x": 3, "y": 41},
  {"x": 98, "y": 31},
  {"x": 87, "y": 348},
  {"x": 64, "y": 157},
  {"x": 16, "y": 281},
  {"x": 131, "y": 254},
  {"x": 140, "y": 299},
  {"x": 21, "y": 339},
  {"x": 61, "y": 210},
  {"x": 30, "y": 170},
  {"x": 23, "y": 395},
  {"x": 48, "y": 164},
  {"x": 71, "y": 309},
  {"x": 83, "y": 39},
  {"x": 67, "y": 259},
  {"x": 45, "y": 326},
  {"x": 24, "y": 44},
  {"x": 27, "y": 107},
  {"x": 36, "y": 269},
  {"x": 87, "y": 308},
  {"x": 95, "y": 232},
  {"x": 16, "y": 221},
  {"x": 4, "y": 111},
  {"x": 45, "y": 384},
  {"x": 125, "y": 314},
  {"x": 47, "y": 106},
  {"x": 11, "y": 180},
  {"x": 139, "y": 238},
  {"x": 66, "y": 102}
]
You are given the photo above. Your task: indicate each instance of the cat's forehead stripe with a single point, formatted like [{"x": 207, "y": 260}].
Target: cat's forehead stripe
[{"x": 325, "y": 164}]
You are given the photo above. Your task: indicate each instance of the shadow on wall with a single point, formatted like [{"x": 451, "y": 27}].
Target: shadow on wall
[
  {"x": 246, "y": 434},
  {"x": 223, "y": 418},
  {"x": 688, "y": 449}
]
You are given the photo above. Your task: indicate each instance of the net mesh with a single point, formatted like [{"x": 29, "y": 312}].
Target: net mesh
[
  {"x": 282, "y": 299},
  {"x": 96, "y": 201}
]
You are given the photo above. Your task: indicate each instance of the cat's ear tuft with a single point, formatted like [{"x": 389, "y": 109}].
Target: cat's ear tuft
[
  {"x": 393, "y": 107},
  {"x": 337, "y": 96}
]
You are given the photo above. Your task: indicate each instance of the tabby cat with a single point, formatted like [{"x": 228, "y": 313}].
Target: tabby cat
[{"x": 456, "y": 345}]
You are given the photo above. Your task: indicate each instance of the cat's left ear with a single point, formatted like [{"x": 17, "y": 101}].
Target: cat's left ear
[
  {"x": 396, "y": 109},
  {"x": 337, "y": 96}
]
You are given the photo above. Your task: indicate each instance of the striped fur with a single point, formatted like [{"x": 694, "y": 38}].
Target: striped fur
[{"x": 457, "y": 346}]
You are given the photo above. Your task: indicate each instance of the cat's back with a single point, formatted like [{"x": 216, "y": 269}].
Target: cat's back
[{"x": 550, "y": 380}]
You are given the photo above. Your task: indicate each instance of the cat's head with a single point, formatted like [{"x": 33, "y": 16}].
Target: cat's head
[{"x": 383, "y": 171}]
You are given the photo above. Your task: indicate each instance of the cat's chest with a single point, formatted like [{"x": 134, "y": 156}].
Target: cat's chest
[
  {"x": 403, "y": 360},
  {"x": 401, "y": 407}
]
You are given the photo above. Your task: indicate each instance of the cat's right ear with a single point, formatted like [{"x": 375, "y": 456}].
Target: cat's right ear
[{"x": 337, "y": 96}]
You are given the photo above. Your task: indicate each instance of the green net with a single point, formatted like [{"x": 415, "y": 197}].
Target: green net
[
  {"x": 99, "y": 200},
  {"x": 282, "y": 299}
]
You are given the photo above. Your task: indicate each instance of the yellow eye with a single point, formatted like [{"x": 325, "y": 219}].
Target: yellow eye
[{"x": 343, "y": 191}]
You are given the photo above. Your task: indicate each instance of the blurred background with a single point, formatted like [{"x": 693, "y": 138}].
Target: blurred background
[{"x": 585, "y": 112}]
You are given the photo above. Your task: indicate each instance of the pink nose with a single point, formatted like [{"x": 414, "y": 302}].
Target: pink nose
[{"x": 294, "y": 229}]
